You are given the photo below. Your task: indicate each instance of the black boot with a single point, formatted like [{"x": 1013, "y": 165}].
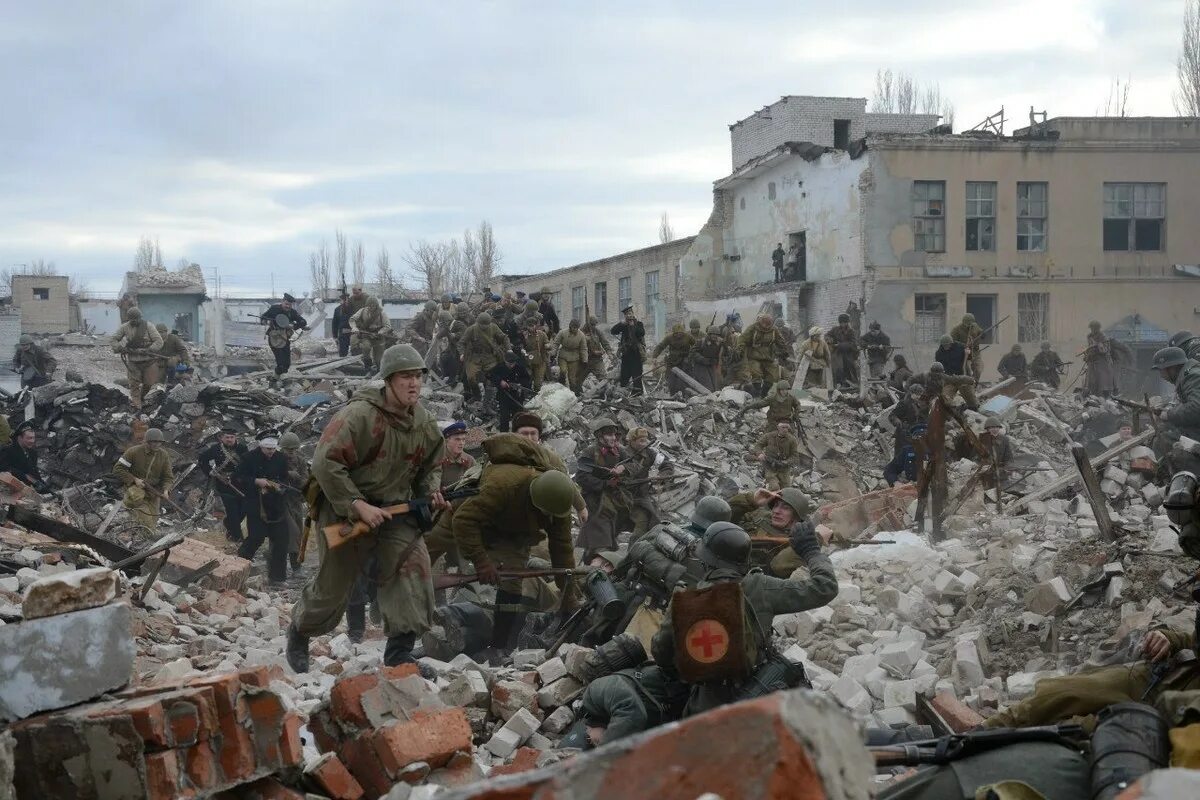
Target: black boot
[
  {"x": 294, "y": 560},
  {"x": 399, "y": 649},
  {"x": 356, "y": 622},
  {"x": 297, "y": 650}
]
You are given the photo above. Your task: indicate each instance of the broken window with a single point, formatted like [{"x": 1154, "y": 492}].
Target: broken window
[
  {"x": 981, "y": 216},
  {"x": 578, "y": 295},
  {"x": 930, "y": 317},
  {"x": 600, "y": 306},
  {"x": 1032, "y": 212},
  {"x": 929, "y": 216},
  {"x": 651, "y": 290},
  {"x": 624, "y": 292},
  {"x": 41, "y": 293},
  {"x": 841, "y": 134},
  {"x": 983, "y": 306},
  {"x": 1033, "y": 316},
  {"x": 1134, "y": 216}
]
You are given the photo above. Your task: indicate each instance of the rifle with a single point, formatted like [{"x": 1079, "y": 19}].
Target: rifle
[
  {"x": 161, "y": 496},
  {"x": 339, "y": 533},
  {"x": 946, "y": 749},
  {"x": 450, "y": 581},
  {"x": 222, "y": 479},
  {"x": 986, "y": 332},
  {"x": 279, "y": 486}
]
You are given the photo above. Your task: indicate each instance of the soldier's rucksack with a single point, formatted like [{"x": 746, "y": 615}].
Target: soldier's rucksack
[{"x": 714, "y": 633}]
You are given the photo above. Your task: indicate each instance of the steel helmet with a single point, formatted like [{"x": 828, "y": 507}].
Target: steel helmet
[
  {"x": 430, "y": 305},
  {"x": 968, "y": 318},
  {"x": 600, "y": 423},
  {"x": 161, "y": 327},
  {"x": 1094, "y": 325},
  {"x": 289, "y": 441},
  {"x": 945, "y": 340},
  {"x": 400, "y": 358},
  {"x": 796, "y": 500},
  {"x": 709, "y": 509},
  {"x": 1169, "y": 357},
  {"x": 782, "y": 386},
  {"x": 843, "y": 318},
  {"x": 445, "y": 317},
  {"x": 552, "y": 493},
  {"x": 154, "y": 435},
  {"x": 134, "y": 313},
  {"x": 725, "y": 546},
  {"x": 484, "y": 318},
  {"x": 26, "y": 339},
  {"x": 937, "y": 366},
  {"x": 814, "y": 332},
  {"x": 531, "y": 306},
  {"x": 283, "y": 321},
  {"x": 993, "y": 422},
  {"x": 1181, "y": 338}
]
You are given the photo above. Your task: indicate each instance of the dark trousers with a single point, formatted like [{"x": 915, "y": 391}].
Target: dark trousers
[
  {"x": 283, "y": 359},
  {"x": 234, "y": 514},
  {"x": 277, "y": 534},
  {"x": 631, "y": 371},
  {"x": 344, "y": 345},
  {"x": 365, "y": 585}
]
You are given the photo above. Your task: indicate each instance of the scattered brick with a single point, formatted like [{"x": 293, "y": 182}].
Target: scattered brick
[{"x": 333, "y": 779}]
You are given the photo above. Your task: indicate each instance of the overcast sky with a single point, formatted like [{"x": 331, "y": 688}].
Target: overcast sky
[{"x": 241, "y": 133}]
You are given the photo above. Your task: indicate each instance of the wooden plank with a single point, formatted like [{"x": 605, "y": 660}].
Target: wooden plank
[
  {"x": 691, "y": 383},
  {"x": 1068, "y": 481},
  {"x": 63, "y": 532},
  {"x": 1091, "y": 485},
  {"x": 994, "y": 389}
]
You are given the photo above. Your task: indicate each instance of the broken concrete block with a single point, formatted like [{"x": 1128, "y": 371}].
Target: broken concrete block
[
  {"x": 896, "y": 718},
  {"x": 900, "y": 657},
  {"x": 947, "y": 584},
  {"x": 558, "y": 721},
  {"x": 575, "y": 658},
  {"x": 509, "y": 697},
  {"x": 900, "y": 694},
  {"x": 858, "y": 667},
  {"x": 70, "y": 591},
  {"x": 58, "y": 661},
  {"x": 514, "y": 733},
  {"x": 1165, "y": 541},
  {"x": 1046, "y": 598},
  {"x": 528, "y": 659},
  {"x": 968, "y": 667},
  {"x": 550, "y": 671},
  {"x": 1113, "y": 592},
  {"x": 559, "y": 693},
  {"x": 1153, "y": 495},
  {"x": 467, "y": 689},
  {"x": 851, "y": 694},
  {"x": 893, "y": 601},
  {"x": 1116, "y": 474},
  {"x": 847, "y": 593}
]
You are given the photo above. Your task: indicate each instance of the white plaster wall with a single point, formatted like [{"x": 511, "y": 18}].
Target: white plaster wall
[{"x": 101, "y": 316}]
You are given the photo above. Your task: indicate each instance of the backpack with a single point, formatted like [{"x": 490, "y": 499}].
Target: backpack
[
  {"x": 509, "y": 448},
  {"x": 714, "y": 633}
]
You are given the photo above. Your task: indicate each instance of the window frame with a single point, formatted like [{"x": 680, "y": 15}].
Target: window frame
[
  {"x": 922, "y": 316},
  {"x": 578, "y": 294},
  {"x": 1133, "y": 210},
  {"x": 40, "y": 292},
  {"x": 656, "y": 295},
  {"x": 1024, "y": 315},
  {"x": 974, "y": 209},
  {"x": 1026, "y": 217},
  {"x": 928, "y": 214},
  {"x": 600, "y": 300},
  {"x": 624, "y": 298}
]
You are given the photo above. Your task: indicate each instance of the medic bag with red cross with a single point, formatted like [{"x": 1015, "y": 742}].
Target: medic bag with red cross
[{"x": 714, "y": 634}]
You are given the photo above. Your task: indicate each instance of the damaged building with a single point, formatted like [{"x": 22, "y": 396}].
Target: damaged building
[{"x": 1039, "y": 231}]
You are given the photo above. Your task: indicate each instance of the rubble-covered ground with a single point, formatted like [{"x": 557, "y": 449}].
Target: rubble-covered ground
[{"x": 180, "y": 680}]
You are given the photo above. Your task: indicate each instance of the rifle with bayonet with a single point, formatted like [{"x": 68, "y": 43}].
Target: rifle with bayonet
[
  {"x": 946, "y": 749},
  {"x": 449, "y": 581},
  {"x": 979, "y": 338},
  {"x": 339, "y": 533}
]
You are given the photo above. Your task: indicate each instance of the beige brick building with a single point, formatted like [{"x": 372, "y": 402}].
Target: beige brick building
[{"x": 45, "y": 302}]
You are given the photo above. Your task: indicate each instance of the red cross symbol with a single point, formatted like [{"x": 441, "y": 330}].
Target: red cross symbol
[{"x": 707, "y": 641}]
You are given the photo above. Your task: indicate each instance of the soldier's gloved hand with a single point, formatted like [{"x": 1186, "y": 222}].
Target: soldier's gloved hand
[{"x": 804, "y": 539}]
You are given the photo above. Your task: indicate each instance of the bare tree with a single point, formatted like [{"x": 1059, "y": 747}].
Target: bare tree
[
  {"x": 340, "y": 244},
  {"x": 319, "y": 270},
  {"x": 143, "y": 258},
  {"x": 665, "y": 232},
  {"x": 385, "y": 276},
  {"x": 1187, "y": 67},
  {"x": 76, "y": 288},
  {"x": 158, "y": 259},
  {"x": 427, "y": 262},
  {"x": 489, "y": 256},
  {"x": 900, "y": 93},
  {"x": 469, "y": 257},
  {"x": 1117, "y": 102},
  {"x": 358, "y": 258}
]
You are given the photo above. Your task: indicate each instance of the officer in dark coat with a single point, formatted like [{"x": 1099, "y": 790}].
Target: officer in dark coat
[
  {"x": 341, "y": 325},
  {"x": 20, "y": 458},
  {"x": 219, "y": 462},
  {"x": 279, "y": 337},
  {"x": 512, "y": 381},
  {"x": 631, "y": 346}
]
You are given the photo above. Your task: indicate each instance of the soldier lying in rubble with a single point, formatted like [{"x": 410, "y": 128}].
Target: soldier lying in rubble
[
  {"x": 1171, "y": 665},
  {"x": 628, "y": 700},
  {"x": 746, "y": 636}
]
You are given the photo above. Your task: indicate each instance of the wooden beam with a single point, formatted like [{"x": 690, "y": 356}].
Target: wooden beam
[
  {"x": 1091, "y": 485},
  {"x": 1068, "y": 481},
  {"x": 696, "y": 386}
]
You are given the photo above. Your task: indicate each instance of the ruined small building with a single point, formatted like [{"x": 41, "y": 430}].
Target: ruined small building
[
  {"x": 44, "y": 302},
  {"x": 172, "y": 297}
]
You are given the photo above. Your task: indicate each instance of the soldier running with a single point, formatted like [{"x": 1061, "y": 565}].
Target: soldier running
[
  {"x": 282, "y": 322},
  {"x": 777, "y": 450},
  {"x": 219, "y": 463},
  {"x": 145, "y": 470},
  {"x": 260, "y": 476},
  {"x": 138, "y": 343},
  {"x": 33, "y": 363}
]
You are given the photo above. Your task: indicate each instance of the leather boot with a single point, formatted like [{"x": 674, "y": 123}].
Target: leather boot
[
  {"x": 297, "y": 650},
  {"x": 399, "y": 649},
  {"x": 356, "y": 622}
]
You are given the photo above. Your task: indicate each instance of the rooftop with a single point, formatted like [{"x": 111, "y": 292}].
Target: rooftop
[{"x": 157, "y": 280}]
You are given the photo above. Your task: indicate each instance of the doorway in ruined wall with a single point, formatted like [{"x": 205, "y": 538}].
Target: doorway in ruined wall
[
  {"x": 795, "y": 264},
  {"x": 183, "y": 324}
]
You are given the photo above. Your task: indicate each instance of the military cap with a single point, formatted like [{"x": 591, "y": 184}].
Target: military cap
[
  {"x": 453, "y": 428},
  {"x": 527, "y": 419}
]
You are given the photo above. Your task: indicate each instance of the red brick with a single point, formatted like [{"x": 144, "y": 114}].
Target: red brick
[
  {"x": 326, "y": 734},
  {"x": 523, "y": 760},
  {"x": 267, "y": 716},
  {"x": 430, "y": 737},
  {"x": 334, "y": 780},
  {"x": 264, "y": 789},
  {"x": 255, "y": 676},
  {"x": 147, "y": 716},
  {"x": 957, "y": 715},
  {"x": 291, "y": 749},
  {"x": 162, "y": 776},
  {"x": 358, "y": 754},
  {"x": 203, "y": 768},
  {"x": 345, "y": 699}
]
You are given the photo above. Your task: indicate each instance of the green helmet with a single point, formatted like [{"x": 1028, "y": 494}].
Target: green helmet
[
  {"x": 783, "y": 386},
  {"x": 484, "y": 318},
  {"x": 26, "y": 338},
  {"x": 709, "y": 509},
  {"x": 400, "y": 358},
  {"x": 134, "y": 313},
  {"x": 600, "y": 423},
  {"x": 552, "y": 493},
  {"x": 154, "y": 435},
  {"x": 430, "y": 306},
  {"x": 1169, "y": 357},
  {"x": 937, "y": 366},
  {"x": 796, "y": 500},
  {"x": 283, "y": 321},
  {"x": 968, "y": 319},
  {"x": 694, "y": 324},
  {"x": 725, "y": 546},
  {"x": 445, "y": 317},
  {"x": 614, "y": 557},
  {"x": 946, "y": 341},
  {"x": 161, "y": 327},
  {"x": 289, "y": 441},
  {"x": 531, "y": 306},
  {"x": 993, "y": 422}
]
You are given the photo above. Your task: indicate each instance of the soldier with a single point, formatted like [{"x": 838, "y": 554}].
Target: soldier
[
  {"x": 725, "y": 552},
  {"x": 998, "y": 446},
  {"x": 777, "y": 449},
  {"x": 446, "y": 340},
  {"x": 549, "y": 315},
  {"x": 777, "y": 261},
  {"x": 497, "y": 528},
  {"x": 781, "y": 405},
  {"x": 123, "y": 305},
  {"x": 219, "y": 462},
  {"x": 630, "y": 701},
  {"x": 511, "y": 380},
  {"x": 424, "y": 324},
  {"x": 759, "y": 344},
  {"x": 601, "y": 467},
  {"x": 706, "y": 358},
  {"x": 598, "y": 348},
  {"x": 678, "y": 346},
  {"x": 1187, "y": 342},
  {"x": 643, "y": 458},
  {"x": 968, "y": 333},
  {"x": 297, "y": 476},
  {"x": 456, "y": 461},
  {"x": 382, "y": 448},
  {"x": 951, "y": 355},
  {"x": 1013, "y": 365},
  {"x": 19, "y": 458},
  {"x": 1101, "y": 376},
  {"x": 818, "y": 353},
  {"x": 454, "y": 465},
  {"x": 358, "y": 299},
  {"x": 483, "y": 346},
  {"x": 174, "y": 351},
  {"x": 734, "y": 367},
  {"x": 783, "y": 352},
  {"x": 899, "y": 377},
  {"x": 33, "y": 363},
  {"x": 632, "y": 349},
  {"x": 138, "y": 343},
  {"x": 1182, "y": 419},
  {"x": 767, "y": 513},
  {"x": 539, "y": 352},
  {"x": 843, "y": 342},
  {"x": 694, "y": 328},
  {"x": 1047, "y": 367},
  {"x": 940, "y": 384},
  {"x": 260, "y": 476},
  {"x": 341, "y": 324},
  {"x": 282, "y": 322},
  {"x": 372, "y": 333},
  {"x": 879, "y": 347},
  {"x": 572, "y": 349},
  {"x": 145, "y": 471},
  {"x": 905, "y": 416},
  {"x": 529, "y": 425}
]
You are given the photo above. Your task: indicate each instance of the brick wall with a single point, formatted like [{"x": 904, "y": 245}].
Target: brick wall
[{"x": 44, "y": 302}]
